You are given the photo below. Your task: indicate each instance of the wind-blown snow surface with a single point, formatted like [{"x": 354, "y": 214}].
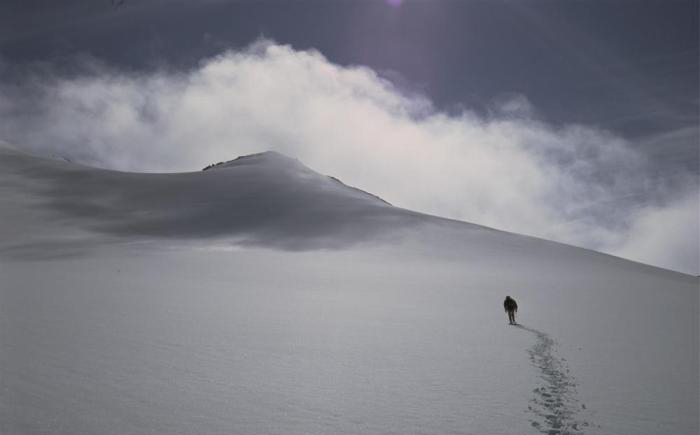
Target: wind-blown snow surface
[{"x": 259, "y": 297}]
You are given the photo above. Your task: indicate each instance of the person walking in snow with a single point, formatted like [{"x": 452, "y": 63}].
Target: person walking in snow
[{"x": 511, "y": 308}]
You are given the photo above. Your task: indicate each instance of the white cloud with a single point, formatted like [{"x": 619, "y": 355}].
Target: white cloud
[
  {"x": 666, "y": 236},
  {"x": 575, "y": 184}
]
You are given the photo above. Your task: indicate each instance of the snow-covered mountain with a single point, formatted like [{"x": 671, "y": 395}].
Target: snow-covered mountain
[
  {"x": 258, "y": 296},
  {"x": 264, "y": 199}
]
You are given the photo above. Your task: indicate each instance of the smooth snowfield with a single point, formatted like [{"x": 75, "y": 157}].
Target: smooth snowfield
[{"x": 260, "y": 297}]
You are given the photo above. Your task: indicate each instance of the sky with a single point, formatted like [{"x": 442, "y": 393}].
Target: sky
[{"x": 569, "y": 120}]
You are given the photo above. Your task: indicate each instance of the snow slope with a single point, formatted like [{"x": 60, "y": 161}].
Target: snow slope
[{"x": 260, "y": 297}]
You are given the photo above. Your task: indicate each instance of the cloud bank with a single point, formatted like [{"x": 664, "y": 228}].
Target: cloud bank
[{"x": 507, "y": 169}]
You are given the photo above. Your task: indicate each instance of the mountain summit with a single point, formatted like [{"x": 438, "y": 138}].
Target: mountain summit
[{"x": 265, "y": 158}]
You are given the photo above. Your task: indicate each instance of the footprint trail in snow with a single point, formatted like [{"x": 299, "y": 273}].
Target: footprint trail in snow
[{"x": 555, "y": 407}]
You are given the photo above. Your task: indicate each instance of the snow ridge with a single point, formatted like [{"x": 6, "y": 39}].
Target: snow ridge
[{"x": 554, "y": 405}]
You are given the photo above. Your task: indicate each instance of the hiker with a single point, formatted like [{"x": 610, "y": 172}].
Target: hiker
[{"x": 511, "y": 308}]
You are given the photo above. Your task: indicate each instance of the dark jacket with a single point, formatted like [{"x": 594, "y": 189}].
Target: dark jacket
[{"x": 510, "y": 305}]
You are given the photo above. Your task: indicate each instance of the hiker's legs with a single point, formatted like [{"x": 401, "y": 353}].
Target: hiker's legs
[{"x": 511, "y": 318}]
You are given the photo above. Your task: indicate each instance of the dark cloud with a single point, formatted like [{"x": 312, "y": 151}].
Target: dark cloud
[{"x": 600, "y": 63}]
